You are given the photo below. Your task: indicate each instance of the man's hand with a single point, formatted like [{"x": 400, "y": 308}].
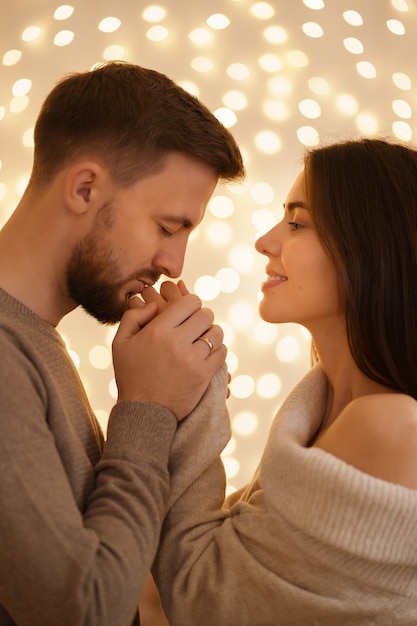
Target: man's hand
[{"x": 157, "y": 355}]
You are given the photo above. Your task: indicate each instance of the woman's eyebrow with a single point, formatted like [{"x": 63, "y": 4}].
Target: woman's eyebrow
[{"x": 297, "y": 204}]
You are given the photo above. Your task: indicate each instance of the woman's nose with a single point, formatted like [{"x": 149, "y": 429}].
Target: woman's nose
[{"x": 268, "y": 243}]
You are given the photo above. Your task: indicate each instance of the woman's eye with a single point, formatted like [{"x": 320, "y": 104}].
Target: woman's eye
[{"x": 295, "y": 225}]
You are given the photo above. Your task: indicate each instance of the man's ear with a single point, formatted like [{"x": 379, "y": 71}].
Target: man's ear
[{"x": 82, "y": 186}]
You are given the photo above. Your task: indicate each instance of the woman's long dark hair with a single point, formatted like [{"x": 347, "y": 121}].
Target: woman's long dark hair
[{"x": 363, "y": 199}]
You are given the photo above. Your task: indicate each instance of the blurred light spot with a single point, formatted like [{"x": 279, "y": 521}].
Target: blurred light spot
[
  {"x": 200, "y": 36},
  {"x": 402, "y": 109},
  {"x": 230, "y": 447},
  {"x": 110, "y": 334},
  {"x": 402, "y": 81},
  {"x": 102, "y": 418},
  {"x": 262, "y": 193},
  {"x": 268, "y": 386},
  {"x": 242, "y": 386},
  {"x": 65, "y": 339},
  {"x": 241, "y": 315},
  {"x": 275, "y": 110},
  {"x": 231, "y": 359},
  {"x": 63, "y": 38},
  {"x": 190, "y": 87},
  {"x": 263, "y": 220},
  {"x": 194, "y": 234},
  {"x": 114, "y": 52},
  {"x": 314, "y": 4},
  {"x": 201, "y": 64},
  {"x": 109, "y": 24},
  {"x": 308, "y": 136},
  {"x": 113, "y": 389},
  {"x": 319, "y": 85},
  {"x": 366, "y": 69},
  {"x": 313, "y": 30},
  {"x": 154, "y": 13},
  {"x": 353, "y": 45},
  {"x": 19, "y": 104},
  {"x": 309, "y": 108},
  {"x": 262, "y": 10},
  {"x": 235, "y": 100},
  {"x": 296, "y": 58},
  {"x": 229, "y": 333},
  {"x": 28, "y": 141},
  {"x": 287, "y": 349},
  {"x": 228, "y": 279},
  {"x": 270, "y": 63},
  {"x": 231, "y": 466},
  {"x": 279, "y": 86},
  {"x": 207, "y": 287},
  {"x": 157, "y": 33},
  {"x": 229, "y": 488},
  {"x": 367, "y": 123},
  {"x": 402, "y": 131},
  {"x": 11, "y": 57},
  {"x": 21, "y": 184},
  {"x": 245, "y": 423},
  {"x": 401, "y": 5},
  {"x": 219, "y": 233},
  {"x": 221, "y": 206},
  {"x": 396, "y": 27},
  {"x": 347, "y": 104},
  {"x": 22, "y": 87},
  {"x": 100, "y": 357},
  {"x": 242, "y": 258},
  {"x": 265, "y": 333},
  {"x": 75, "y": 358},
  {"x": 31, "y": 33},
  {"x": 218, "y": 21},
  {"x": 275, "y": 34},
  {"x": 63, "y": 12},
  {"x": 353, "y": 18},
  {"x": 238, "y": 71},
  {"x": 268, "y": 142},
  {"x": 226, "y": 116}
]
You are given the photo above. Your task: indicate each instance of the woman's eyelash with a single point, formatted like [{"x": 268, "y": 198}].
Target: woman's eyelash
[{"x": 294, "y": 225}]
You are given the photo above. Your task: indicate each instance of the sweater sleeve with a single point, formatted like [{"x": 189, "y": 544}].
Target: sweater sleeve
[{"x": 59, "y": 564}]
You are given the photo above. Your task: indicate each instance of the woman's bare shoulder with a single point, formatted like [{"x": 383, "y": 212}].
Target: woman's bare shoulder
[{"x": 377, "y": 434}]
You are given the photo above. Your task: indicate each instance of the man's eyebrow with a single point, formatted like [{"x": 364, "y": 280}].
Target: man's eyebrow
[
  {"x": 182, "y": 221},
  {"x": 297, "y": 204}
]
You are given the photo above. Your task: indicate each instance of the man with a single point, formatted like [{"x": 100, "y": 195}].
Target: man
[{"x": 125, "y": 162}]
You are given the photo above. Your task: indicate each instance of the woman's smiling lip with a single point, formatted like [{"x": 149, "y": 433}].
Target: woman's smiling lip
[{"x": 273, "y": 280}]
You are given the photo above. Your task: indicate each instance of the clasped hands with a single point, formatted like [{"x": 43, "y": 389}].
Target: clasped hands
[{"x": 157, "y": 353}]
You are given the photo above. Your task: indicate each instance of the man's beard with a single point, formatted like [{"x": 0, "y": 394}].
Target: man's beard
[
  {"x": 94, "y": 278},
  {"x": 91, "y": 280}
]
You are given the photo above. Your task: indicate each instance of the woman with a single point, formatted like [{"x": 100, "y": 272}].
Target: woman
[{"x": 325, "y": 533}]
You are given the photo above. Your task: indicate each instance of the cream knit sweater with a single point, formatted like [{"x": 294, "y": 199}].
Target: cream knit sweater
[{"x": 311, "y": 541}]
